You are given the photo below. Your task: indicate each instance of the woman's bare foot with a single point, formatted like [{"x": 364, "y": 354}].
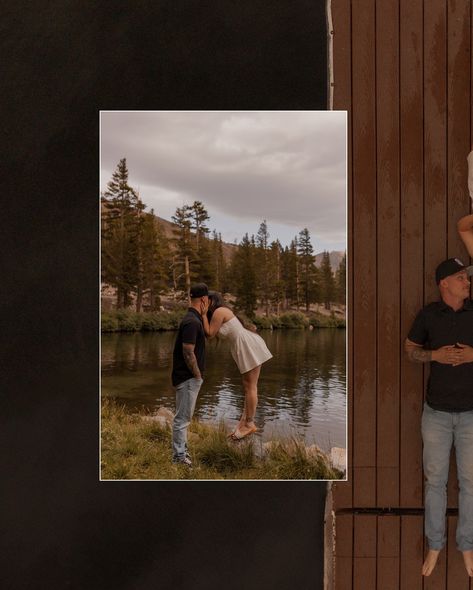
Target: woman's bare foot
[
  {"x": 468, "y": 559},
  {"x": 244, "y": 430},
  {"x": 430, "y": 562}
]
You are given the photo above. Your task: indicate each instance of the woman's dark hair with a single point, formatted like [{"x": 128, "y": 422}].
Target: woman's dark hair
[{"x": 216, "y": 301}]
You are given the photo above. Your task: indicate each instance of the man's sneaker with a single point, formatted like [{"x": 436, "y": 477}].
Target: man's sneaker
[{"x": 186, "y": 460}]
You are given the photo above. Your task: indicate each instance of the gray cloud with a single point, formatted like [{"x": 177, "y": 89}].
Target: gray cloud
[{"x": 285, "y": 166}]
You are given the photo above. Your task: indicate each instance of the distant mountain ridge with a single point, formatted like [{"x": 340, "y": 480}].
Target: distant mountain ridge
[{"x": 228, "y": 249}]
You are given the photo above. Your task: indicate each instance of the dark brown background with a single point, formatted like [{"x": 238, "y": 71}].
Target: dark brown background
[
  {"x": 61, "y": 63},
  {"x": 403, "y": 70}
]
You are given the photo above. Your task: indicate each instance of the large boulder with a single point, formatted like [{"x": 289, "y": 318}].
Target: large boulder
[
  {"x": 162, "y": 416},
  {"x": 338, "y": 458},
  {"x": 166, "y": 414}
]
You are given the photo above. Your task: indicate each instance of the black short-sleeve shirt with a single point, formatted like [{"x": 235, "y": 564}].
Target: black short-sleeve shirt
[
  {"x": 191, "y": 331},
  {"x": 449, "y": 388}
]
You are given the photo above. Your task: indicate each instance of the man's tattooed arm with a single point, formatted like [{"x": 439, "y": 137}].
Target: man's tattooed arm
[
  {"x": 418, "y": 354},
  {"x": 191, "y": 360},
  {"x": 446, "y": 355}
]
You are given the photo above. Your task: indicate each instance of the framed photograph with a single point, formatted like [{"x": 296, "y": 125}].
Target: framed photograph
[{"x": 223, "y": 295}]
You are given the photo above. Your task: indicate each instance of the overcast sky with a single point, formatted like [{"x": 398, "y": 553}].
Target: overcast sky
[{"x": 286, "y": 167}]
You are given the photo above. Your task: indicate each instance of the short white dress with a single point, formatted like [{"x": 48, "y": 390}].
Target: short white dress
[{"x": 248, "y": 349}]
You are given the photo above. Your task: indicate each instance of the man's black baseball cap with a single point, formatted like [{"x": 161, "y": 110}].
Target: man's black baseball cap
[
  {"x": 199, "y": 290},
  {"x": 451, "y": 267}
]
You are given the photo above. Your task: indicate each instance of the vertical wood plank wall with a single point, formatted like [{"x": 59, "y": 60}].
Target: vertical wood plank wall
[{"x": 403, "y": 71}]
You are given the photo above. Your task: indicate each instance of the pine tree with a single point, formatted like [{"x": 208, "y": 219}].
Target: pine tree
[
  {"x": 153, "y": 267},
  {"x": 340, "y": 281},
  {"x": 290, "y": 270},
  {"x": 276, "y": 281},
  {"x": 263, "y": 277},
  {"x": 198, "y": 217},
  {"x": 206, "y": 263},
  {"x": 243, "y": 272},
  {"x": 308, "y": 270},
  {"x": 184, "y": 255},
  {"x": 121, "y": 222},
  {"x": 219, "y": 266},
  {"x": 327, "y": 280},
  {"x": 203, "y": 266}
]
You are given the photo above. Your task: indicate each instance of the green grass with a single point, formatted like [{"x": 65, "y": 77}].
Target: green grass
[
  {"x": 136, "y": 448},
  {"x": 147, "y": 321},
  {"x": 298, "y": 320},
  {"x": 318, "y": 320}
]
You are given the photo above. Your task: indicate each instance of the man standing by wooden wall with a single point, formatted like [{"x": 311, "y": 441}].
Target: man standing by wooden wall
[{"x": 442, "y": 335}]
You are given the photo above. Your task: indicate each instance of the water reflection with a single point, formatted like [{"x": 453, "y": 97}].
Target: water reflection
[{"x": 301, "y": 390}]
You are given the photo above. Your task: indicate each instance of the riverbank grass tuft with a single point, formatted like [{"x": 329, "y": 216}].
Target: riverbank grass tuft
[{"x": 136, "y": 446}]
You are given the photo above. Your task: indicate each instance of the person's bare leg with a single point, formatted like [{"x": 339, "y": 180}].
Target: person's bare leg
[
  {"x": 250, "y": 388},
  {"x": 430, "y": 562},
  {"x": 242, "y": 420},
  {"x": 468, "y": 560}
]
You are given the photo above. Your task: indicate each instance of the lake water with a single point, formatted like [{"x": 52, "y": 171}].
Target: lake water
[{"x": 302, "y": 390}]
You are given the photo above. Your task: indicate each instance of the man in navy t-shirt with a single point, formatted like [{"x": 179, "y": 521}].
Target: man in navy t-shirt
[
  {"x": 442, "y": 335},
  {"x": 188, "y": 369}
]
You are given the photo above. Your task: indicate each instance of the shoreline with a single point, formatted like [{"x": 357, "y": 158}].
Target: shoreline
[{"x": 165, "y": 321}]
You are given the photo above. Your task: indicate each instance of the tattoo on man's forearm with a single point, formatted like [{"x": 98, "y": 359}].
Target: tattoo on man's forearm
[
  {"x": 191, "y": 362},
  {"x": 419, "y": 355}
]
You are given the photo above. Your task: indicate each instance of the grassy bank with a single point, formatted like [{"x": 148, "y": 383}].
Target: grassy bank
[
  {"x": 130, "y": 321},
  {"x": 298, "y": 320},
  {"x": 134, "y": 447}
]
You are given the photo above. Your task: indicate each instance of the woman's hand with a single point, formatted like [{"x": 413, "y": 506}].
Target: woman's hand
[{"x": 204, "y": 307}]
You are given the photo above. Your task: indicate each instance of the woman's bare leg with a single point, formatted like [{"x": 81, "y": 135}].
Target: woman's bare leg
[{"x": 250, "y": 388}]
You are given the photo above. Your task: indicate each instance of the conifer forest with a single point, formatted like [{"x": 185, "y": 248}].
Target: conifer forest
[{"x": 144, "y": 263}]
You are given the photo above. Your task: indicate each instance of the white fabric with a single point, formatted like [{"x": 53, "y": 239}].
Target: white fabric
[{"x": 248, "y": 349}]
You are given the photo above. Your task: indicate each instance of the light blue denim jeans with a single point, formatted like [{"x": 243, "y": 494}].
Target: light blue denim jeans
[
  {"x": 186, "y": 397},
  {"x": 439, "y": 431}
]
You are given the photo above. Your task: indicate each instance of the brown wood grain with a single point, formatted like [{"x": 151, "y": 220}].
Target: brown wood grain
[
  {"x": 388, "y": 552},
  {"x": 411, "y": 553},
  {"x": 412, "y": 266},
  {"x": 389, "y": 536},
  {"x": 343, "y": 577},
  {"x": 365, "y": 535},
  {"x": 387, "y": 484},
  {"x": 364, "y": 573},
  {"x": 459, "y": 114},
  {"x": 341, "y": 19},
  {"x": 364, "y": 486},
  {"x": 388, "y": 251},
  {"x": 344, "y": 535},
  {"x": 364, "y": 246},
  {"x": 435, "y": 143}
]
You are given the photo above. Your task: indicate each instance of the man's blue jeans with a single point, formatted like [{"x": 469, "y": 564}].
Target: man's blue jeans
[
  {"x": 439, "y": 431},
  {"x": 186, "y": 397}
]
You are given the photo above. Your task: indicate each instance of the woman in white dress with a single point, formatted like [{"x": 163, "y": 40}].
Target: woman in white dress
[{"x": 249, "y": 351}]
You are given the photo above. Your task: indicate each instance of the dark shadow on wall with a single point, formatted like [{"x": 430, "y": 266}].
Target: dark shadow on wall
[{"x": 66, "y": 61}]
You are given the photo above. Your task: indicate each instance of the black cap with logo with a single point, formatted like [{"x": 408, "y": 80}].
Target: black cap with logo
[
  {"x": 199, "y": 290},
  {"x": 451, "y": 267}
]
